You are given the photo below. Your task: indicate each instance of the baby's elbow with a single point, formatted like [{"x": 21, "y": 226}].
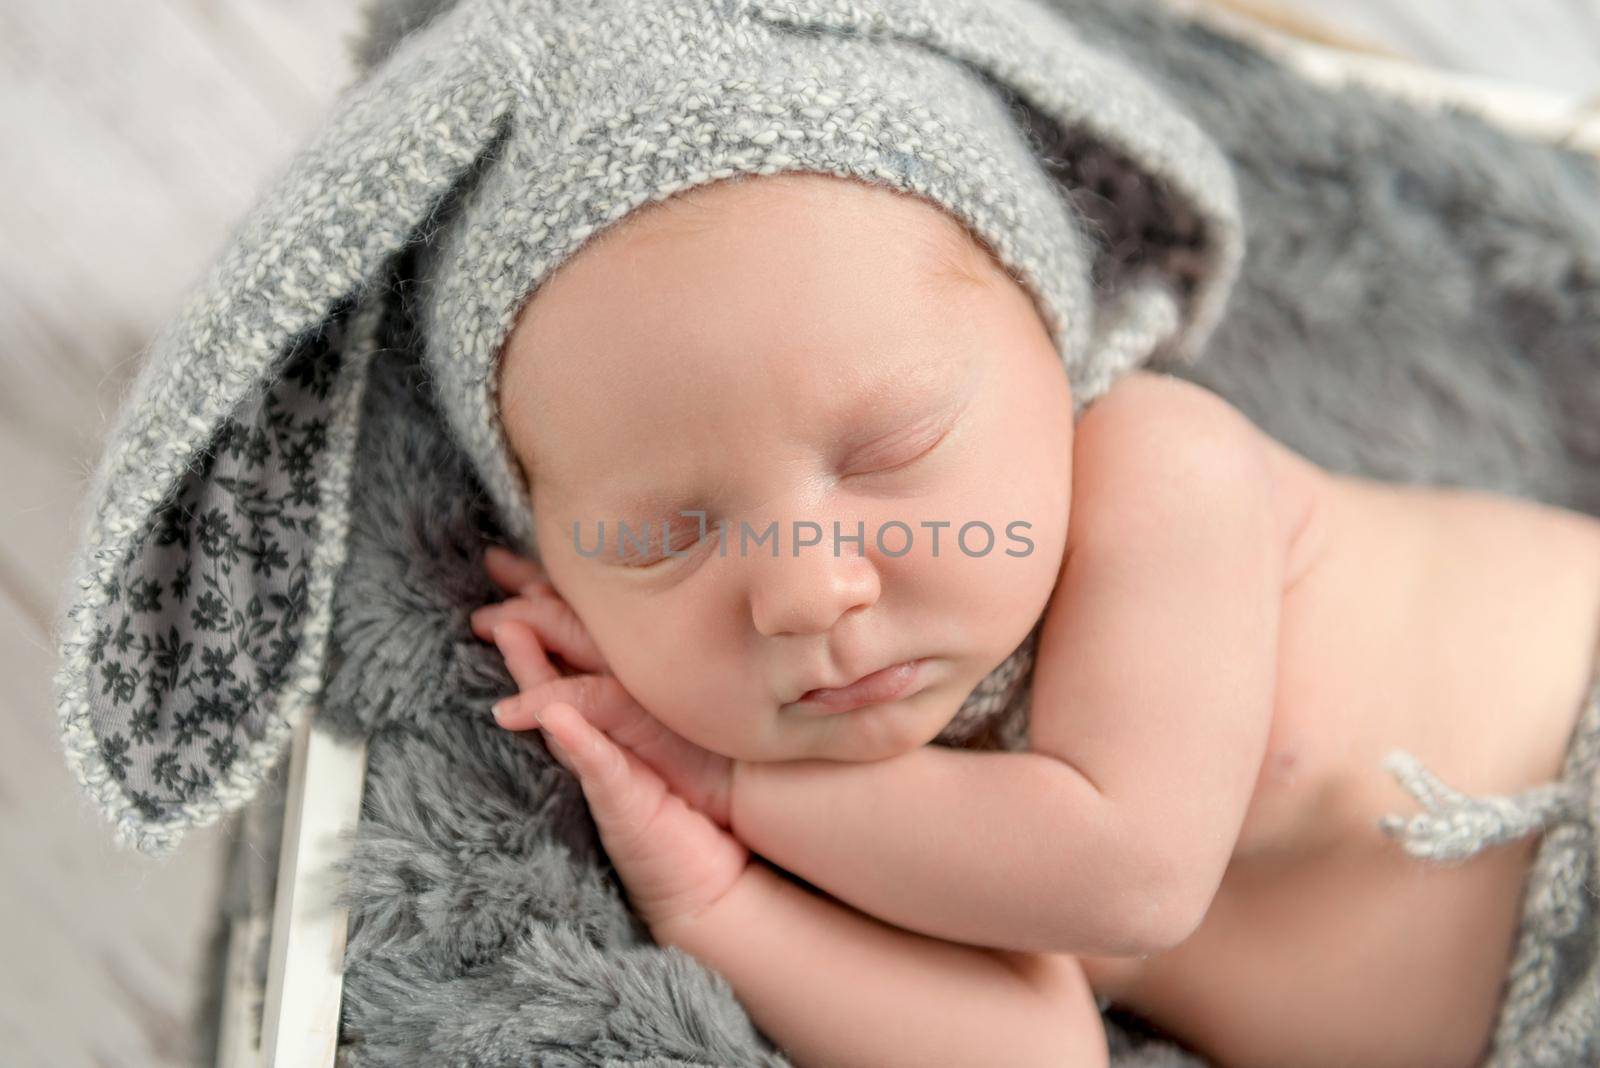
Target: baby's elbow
[
  {"x": 1168, "y": 922},
  {"x": 1175, "y": 896},
  {"x": 1155, "y": 893},
  {"x": 1134, "y": 916}
]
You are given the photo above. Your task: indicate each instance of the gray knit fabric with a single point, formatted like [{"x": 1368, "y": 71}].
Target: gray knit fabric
[{"x": 995, "y": 714}]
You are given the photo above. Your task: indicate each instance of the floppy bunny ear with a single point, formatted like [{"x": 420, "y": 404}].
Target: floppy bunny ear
[
  {"x": 1155, "y": 195},
  {"x": 198, "y": 599}
]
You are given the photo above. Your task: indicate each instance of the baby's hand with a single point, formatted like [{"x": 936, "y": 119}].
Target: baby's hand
[
  {"x": 673, "y": 859},
  {"x": 702, "y": 778}
]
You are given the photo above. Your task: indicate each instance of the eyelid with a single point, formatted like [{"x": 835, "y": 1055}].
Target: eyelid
[
  {"x": 947, "y": 427},
  {"x": 944, "y": 419},
  {"x": 920, "y": 453},
  {"x": 662, "y": 557}
]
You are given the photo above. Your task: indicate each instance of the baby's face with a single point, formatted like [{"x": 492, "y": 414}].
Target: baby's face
[{"x": 792, "y": 360}]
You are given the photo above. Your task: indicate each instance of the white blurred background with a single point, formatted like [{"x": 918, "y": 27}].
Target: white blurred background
[{"x": 135, "y": 135}]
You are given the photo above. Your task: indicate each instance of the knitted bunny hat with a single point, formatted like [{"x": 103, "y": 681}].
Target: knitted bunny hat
[
  {"x": 655, "y": 98},
  {"x": 497, "y": 136}
]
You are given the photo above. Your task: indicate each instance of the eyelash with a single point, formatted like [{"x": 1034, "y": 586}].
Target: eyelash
[
  {"x": 905, "y": 463},
  {"x": 648, "y": 564}
]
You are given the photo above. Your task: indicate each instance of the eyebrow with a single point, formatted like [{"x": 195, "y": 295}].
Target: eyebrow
[
  {"x": 958, "y": 264},
  {"x": 943, "y": 406}
]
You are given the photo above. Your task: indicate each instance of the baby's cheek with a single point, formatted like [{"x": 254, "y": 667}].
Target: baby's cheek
[{"x": 690, "y": 701}]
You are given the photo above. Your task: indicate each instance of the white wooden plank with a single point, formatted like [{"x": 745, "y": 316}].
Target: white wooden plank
[
  {"x": 238, "y": 1028},
  {"x": 42, "y": 491},
  {"x": 305, "y": 976},
  {"x": 306, "y": 43},
  {"x": 1550, "y": 43},
  {"x": 1529, "y": 109}
]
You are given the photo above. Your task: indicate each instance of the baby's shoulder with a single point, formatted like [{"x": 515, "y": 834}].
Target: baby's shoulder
[
  {"x": 1162, "y": 406},
  {"x": 1158, "y": 434},
  {"x": 1155, "y": 438}
]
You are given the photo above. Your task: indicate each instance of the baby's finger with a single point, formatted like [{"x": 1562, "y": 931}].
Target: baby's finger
[
  {"x": 508, "y": 570},
  {"x": 606, "y": 704},
  {"x": 524, "y": 656},
  {"x": 623, "y": 793},
  {"x": 519, "y": 712},
  {"x": 557, "y": 625}
]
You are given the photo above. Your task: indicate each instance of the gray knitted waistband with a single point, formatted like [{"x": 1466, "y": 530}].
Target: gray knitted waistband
[{"x": 1550, "y": 1009}]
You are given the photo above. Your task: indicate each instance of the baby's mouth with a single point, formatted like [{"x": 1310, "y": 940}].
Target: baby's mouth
[{"x": 886, "y": 684}]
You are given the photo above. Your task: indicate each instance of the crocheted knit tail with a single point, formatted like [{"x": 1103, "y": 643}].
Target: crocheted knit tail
[{"x": 1457, "y": 825}]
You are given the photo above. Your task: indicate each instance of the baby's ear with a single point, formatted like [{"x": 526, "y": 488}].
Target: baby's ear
[
  {"x": 1154, "y": 197},
  {"x": 197, "y": 607}
]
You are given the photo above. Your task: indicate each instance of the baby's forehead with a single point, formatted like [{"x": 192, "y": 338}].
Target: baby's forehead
[
  {"x": 940, "y": 243},
  {"x": 887, "y": 344},
  {"x": 766, "y": 223},
  {"x": 891, "y": 402}
]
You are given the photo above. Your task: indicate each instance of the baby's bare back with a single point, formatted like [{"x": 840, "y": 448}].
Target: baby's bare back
[{"x": 1461, "y": 626}]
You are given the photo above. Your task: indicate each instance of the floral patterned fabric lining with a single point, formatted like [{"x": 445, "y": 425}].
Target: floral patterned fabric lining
[{"x": 205, "y": 614}]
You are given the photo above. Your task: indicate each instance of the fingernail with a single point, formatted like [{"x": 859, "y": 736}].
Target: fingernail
[{"x": 501, "y": 707}]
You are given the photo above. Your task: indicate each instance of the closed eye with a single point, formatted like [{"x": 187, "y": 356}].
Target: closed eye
[
  {"x": 923, "y": 454},
  {"x": 646, "y": 563},
  {"x": 678, "y": 552}
]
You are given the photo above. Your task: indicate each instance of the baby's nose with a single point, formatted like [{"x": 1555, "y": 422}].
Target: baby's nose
[{"x": 806, "y": 594}]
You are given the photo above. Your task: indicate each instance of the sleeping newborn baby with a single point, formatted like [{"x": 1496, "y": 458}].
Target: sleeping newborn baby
[{"x": 1231, "y": 640}]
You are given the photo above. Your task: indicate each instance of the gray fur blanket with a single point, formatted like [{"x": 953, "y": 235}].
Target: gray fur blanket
[{"x": 1420, "y": 301}]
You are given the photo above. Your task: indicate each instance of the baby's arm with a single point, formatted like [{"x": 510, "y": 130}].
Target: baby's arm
[
  {"x": 834, "y": 987},
  {"x": 1158, "y": 664},
  {"x": 957, "y": 844}
]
